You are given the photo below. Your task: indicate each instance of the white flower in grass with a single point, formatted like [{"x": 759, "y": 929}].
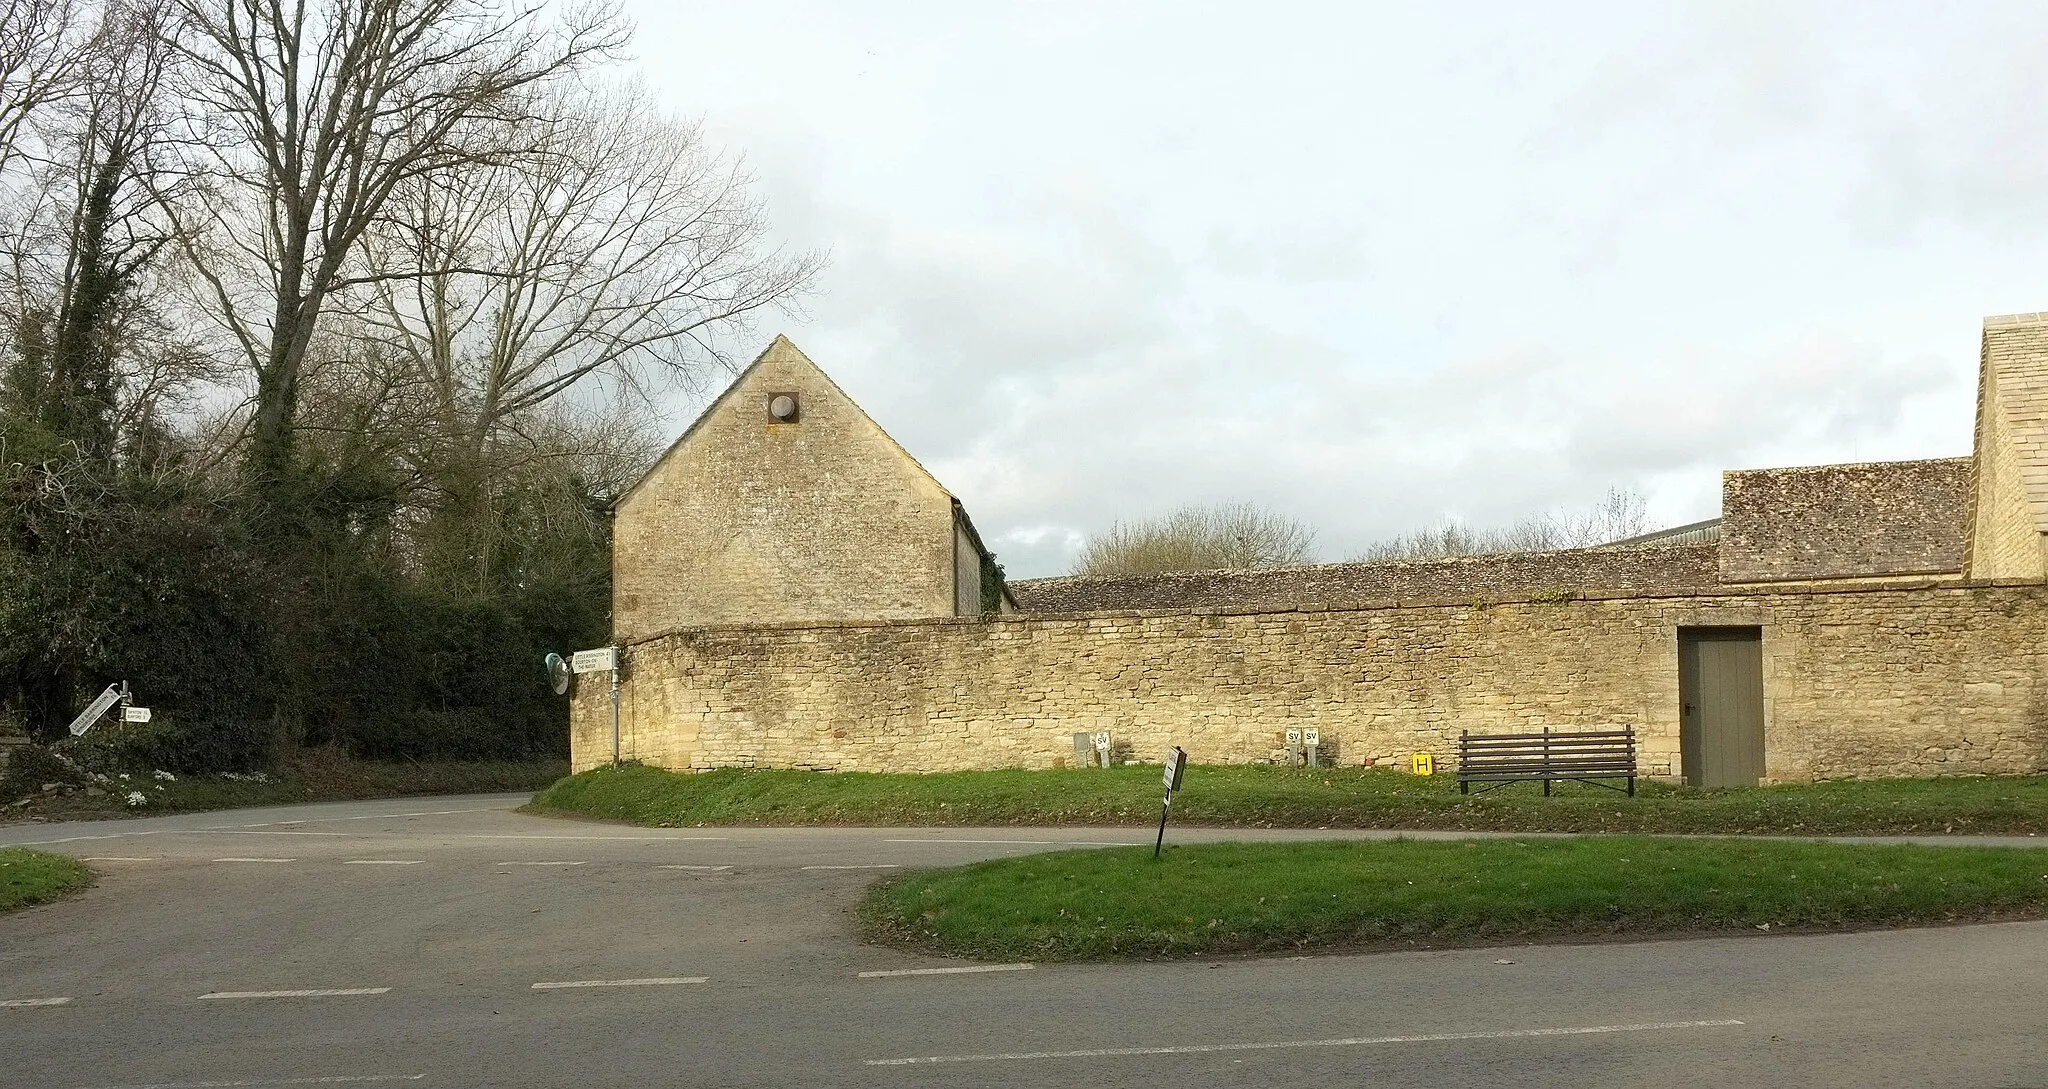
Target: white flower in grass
[
  {"x": 166, "y": 776},
  {"x": 136, "y": 797}
]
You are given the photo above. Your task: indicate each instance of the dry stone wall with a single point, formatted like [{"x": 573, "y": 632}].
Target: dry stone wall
[
  {"x": 1844, "y": 521},
  {"x": 1870, "y": 681}
]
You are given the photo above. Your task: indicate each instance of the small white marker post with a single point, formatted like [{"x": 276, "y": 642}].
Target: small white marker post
[{"x": 1176, "y": 763}]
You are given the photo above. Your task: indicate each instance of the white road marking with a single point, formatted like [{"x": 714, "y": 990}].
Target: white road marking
[
  {"x": 600, "y": 839},
  {"x": 1039, "y": 842},
  {"x": 381, "y": 816},
  {"x": 326, "y": 993},
  {"x": 263, "y": 832},
  {"x": 384, "y": 862},
  {"x": 255, "y": 860},
  {"x": 654, "y": 982},
  {"x": 962, "y": 970},
  {"x": 465, "y": 835},
  {"x": 705, "y": 868},
  {"x": 339, "y": 1079},
  {"x": 81, "y": 839},
  {"x": 115, "y": 858},
  {"x": 12, "y": 1002},
  {"x": 540, "y": 863},
  {"x": 876, "y": 866},
  {"x": 1352, "y": 1041},
  {"x": 1029, "y": 842}
]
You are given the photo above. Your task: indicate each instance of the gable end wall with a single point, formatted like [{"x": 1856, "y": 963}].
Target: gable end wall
[
  {"x": 750, "y": 521},
  {"x": 2005, "y": 537}
]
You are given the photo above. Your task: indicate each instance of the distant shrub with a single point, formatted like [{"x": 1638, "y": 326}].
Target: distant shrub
[{"x": 1232, "y": 536}]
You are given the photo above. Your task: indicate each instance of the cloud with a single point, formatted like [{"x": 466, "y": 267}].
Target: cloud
[{"x": 1424, "y": 263}]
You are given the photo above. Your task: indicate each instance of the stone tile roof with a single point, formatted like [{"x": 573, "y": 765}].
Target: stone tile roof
[
  {"x": 1844, "y": 521},
  {"x": 1654, "y": 570}
]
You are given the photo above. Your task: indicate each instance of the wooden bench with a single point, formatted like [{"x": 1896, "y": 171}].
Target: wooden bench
[{"x": 1585, "y": 756}]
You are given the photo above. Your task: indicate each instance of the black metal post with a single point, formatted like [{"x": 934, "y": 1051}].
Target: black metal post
[{"x": 1163, "y": 807}]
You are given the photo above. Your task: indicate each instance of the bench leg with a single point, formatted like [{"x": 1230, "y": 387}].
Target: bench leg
[
  {"x": 1546, "y": 788},
  {"x": 1631, "y": 786}
]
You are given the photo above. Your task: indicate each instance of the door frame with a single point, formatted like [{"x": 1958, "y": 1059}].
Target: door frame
[{"x": 1691, "y": 702}]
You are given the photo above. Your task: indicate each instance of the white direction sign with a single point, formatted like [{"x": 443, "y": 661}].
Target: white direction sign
[
  {"x": 1176, "y": 764},
  {"x": 594, "y": 661},
  {"x": 134, "y": 714},
  {"x": 94, "y": 710}
]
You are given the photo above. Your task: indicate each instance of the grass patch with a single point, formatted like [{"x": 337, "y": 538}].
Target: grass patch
[
  {"x": 35, "y": 877},
  {"x": 1267, "y": 797},
  {"x": 311, "y": 778},
  {"x": 1262, "y": 898}
]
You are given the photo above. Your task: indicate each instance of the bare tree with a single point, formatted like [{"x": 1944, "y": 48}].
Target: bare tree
[
  {"x": 616, "y": 245},
  {"x": 1619, "y": 514},
  {"x": 310, "y": 115},
  {"x": 92, "y": 349},
  {"x": 38, "y": 65},
  {"x": 1237, "y": 536}
]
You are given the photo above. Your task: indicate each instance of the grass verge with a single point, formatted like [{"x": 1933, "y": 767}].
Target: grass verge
[
  {"x": 1263, "y": 898},
  {"x": 1266, "y": 797},
  {"x": 313, "y": 779},
  {"x": 35, "y": 877}
]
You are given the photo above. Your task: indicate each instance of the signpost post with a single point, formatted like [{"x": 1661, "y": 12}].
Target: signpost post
[
  {"x": 602, "y": 659},
  {"x": 1176, "y": 763}
]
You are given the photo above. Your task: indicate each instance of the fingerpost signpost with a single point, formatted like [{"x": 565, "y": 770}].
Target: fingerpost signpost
[{"x": 602, "y": 660}]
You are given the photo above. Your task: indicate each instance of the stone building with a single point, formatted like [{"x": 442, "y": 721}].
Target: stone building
[
  {"x": 785, "y": 502},
  {"x": 798, "y": 593}
]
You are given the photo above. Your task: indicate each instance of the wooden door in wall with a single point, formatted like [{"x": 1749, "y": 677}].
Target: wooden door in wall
[{"x": 1721, "y": 706}]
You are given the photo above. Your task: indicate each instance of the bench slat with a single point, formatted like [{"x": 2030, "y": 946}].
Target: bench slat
[{"x": 1550, "y": 756}]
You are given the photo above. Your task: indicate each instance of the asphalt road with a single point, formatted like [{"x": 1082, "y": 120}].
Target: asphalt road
[{"x": 451, "y": 942}]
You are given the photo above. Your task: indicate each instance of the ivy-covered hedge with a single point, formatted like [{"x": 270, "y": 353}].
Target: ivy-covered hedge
[{"x": 239, "y": 644}]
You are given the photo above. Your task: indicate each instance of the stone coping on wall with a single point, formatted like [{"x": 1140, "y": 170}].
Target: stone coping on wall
[
  {"x": 1862, "y": 586},
  {"x": 1657, "y": 568},
  {"x": 1889, "y": 518}
]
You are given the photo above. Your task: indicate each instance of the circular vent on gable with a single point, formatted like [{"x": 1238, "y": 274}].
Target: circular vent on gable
[{"x": 783, "y": 407}]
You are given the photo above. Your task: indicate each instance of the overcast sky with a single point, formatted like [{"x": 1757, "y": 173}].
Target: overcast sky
[{"x": 1378, "y": 266}]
